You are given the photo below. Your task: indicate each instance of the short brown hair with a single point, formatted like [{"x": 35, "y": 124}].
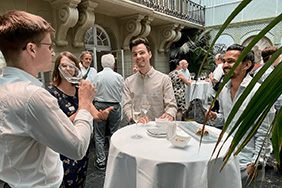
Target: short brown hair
[
  {"x": 56, "y": 77},
  {"x": 267, "y": 52},
  {"x": 138, "y": 41},
  {"x": 17, "y": 28}
]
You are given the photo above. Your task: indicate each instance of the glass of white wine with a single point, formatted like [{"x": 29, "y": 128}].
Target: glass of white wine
[
  {"x": 145, "y": 106},
  {"x": 136, "y": 114}
]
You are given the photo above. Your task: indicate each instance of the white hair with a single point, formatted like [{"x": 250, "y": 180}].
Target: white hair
[{"x": 107, "y": 60}]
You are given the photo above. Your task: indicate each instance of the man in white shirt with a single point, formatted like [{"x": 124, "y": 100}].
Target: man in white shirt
[
  {"x": 184, "y": 64},
  {"x": 109, "y": 86},
  {"x": 228, "y": 97},
  {"x": 88, "y": 72},
  {"x": 216, "y": 75},
  {"x": 33, "y": 128}
]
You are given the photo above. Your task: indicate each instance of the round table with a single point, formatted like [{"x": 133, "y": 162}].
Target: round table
[
  {"x": 154, "y": 162},
  {"x": 202, "y": 89}
]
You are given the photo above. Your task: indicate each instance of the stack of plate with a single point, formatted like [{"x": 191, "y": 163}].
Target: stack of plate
[{"x": 158, "y": 132}]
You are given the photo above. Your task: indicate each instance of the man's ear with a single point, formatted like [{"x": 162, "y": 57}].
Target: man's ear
[
  {"x": 150, "y": 54},
  {"x": 30, "y": 48},
  {"x": 247, "y": 64}
]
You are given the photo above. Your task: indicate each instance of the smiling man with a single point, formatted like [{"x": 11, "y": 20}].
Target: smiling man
[
  {"x": 227, "y": 99},
  {"x": 33, "y": 128},
  {"x": 88, "y": 72},
  {"x": 156, "y": 85}
]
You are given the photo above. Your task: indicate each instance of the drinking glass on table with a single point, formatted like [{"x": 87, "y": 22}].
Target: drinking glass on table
[
  {"x": 145, "y": 106},
  {"x": 136, "y": 114},
  {"x": 207, "y": 103},
  {"x": 192, "y": 75}
]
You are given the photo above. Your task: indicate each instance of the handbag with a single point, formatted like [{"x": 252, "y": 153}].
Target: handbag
[{"x": 195, "y": 111}]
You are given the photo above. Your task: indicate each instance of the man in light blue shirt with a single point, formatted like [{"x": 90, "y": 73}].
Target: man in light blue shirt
[
  {"x": 109, "y": 86},
  {"x": 228, "y": 97},
  {"x": 184, "y": 64}
]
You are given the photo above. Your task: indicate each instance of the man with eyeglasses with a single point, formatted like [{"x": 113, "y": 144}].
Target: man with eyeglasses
[{"x": 33, "y": 129}]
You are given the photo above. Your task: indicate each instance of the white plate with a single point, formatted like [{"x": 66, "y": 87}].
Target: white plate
[
  {"x": 156, "y": 132},
  {"x": 156, "y": 135}
]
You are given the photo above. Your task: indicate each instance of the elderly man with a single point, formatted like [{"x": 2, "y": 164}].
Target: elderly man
[
  {"x": 228, "y": 97},
  {"x": 156, "y": 85},
  {"x": 109, "y": 86},
  {"x": 88, "y": 72},
  {"x": 216, "y": 75},
  {"x": 34, "y": 130},
  {"x": 184, "y": 65}
]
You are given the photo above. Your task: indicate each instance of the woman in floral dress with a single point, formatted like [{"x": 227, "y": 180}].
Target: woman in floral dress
[
  {"x": 178, "y": 82},
  {"x": 67, "y": 95}
]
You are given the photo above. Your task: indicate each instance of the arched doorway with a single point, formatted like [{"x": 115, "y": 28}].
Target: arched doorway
[
  {"x": 98, "y": 41},
  {"x": 260, "y": 45}
]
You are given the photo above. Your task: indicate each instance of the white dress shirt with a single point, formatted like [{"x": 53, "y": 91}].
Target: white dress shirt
[
  {"x": 34, "y": 130},
  {"x": 109, "y": 86},
  {"x": 91, "y": 74},
  {"x": 218, "y": 72},
  {"x": 250, "y": 152}
]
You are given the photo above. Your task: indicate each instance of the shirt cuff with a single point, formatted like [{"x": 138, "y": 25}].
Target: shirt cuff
[{"x": 83, "y": 114}]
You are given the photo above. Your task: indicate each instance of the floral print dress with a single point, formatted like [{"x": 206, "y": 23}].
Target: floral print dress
[
  {"x": 179, "y": 90},
  {"x": 74, "y": 170}
]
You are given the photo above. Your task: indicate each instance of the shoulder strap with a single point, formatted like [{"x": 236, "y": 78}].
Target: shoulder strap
[{"x": 85, "y": 76}]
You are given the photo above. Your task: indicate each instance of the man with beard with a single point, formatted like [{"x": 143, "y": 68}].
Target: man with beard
[
  {"x": 156, "y": 85},
  {"x": 227, "y": 98}
]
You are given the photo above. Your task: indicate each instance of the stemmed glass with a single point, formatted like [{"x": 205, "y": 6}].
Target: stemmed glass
[
  {"x": 207, "y": 103},
  {"x": 136, "y": 114},
  {"x": 70, "y": 72},
  {"x": 145, "y": 106},
  {"x": 192, "y": 75}
]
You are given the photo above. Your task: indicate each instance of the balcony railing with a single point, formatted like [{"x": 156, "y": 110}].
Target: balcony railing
[{"x": 183, "y": 9}]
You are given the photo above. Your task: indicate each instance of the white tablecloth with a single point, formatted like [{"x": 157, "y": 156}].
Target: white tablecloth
[
  {"x": 154, "y": 162},
  {"x": 202, "y": 89}
]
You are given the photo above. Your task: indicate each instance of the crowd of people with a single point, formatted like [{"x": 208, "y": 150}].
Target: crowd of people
[{"x": 45, "y": 134}]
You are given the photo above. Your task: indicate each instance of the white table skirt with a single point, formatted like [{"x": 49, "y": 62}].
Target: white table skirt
[
  {"x": 202, "y": 89},
  {"x": 154, "y": 162}
]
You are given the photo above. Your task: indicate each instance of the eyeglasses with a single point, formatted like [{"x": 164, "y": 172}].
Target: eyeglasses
[{"x": 51, "y": 45}]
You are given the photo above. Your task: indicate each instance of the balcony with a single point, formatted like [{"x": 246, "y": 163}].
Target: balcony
[{"x": 183, "y": 9}]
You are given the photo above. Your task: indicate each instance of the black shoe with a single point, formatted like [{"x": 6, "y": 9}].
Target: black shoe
[{"x": 100, "y": 166}]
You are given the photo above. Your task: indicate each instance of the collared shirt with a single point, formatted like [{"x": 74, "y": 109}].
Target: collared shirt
[
  {"x": 91, "y": 74},
  {"x": 34, "y": 130},
  {"x": 186, "y": 73},
  {"x": 250, "y": 152},
  {"x": 218, "y": 72},
  {"x": 265, "y": 74},
  {"x": 109, "y": 86},
  {"x": 158, "y": 88}
]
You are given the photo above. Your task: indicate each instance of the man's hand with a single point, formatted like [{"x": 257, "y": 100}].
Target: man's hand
[
  {"x": 144, "y": 120},
  {"x": 252, "y": 171},
  {"x": 103, "y": 114},
  {"x": 211, "y": 115},
  {"x": 165, "y": 115},
  {"x": 86, "y": 94}
]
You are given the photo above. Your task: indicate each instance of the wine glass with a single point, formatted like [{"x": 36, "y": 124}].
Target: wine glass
[
  {"x": 136, "y": 114},
  {"x": 207, "y": 103},
  {"x": 70, "y": 72},
  {"x": 192, "y": 75},
  {"x": 145, "y": 106}
]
